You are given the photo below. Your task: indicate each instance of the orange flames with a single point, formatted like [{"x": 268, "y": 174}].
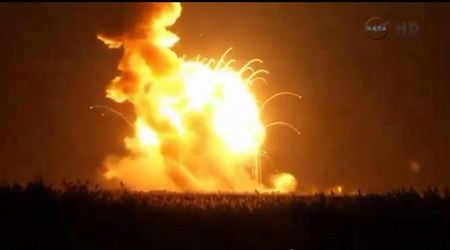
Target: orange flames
[{"x": 197, "y": 124}]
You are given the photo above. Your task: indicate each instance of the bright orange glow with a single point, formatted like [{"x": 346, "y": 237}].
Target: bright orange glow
[
  {"x": 284, "y": 182},
  {"x": 197, "y": 124},
  {"x": 146, "y": 136},
  {"x": 338, "y": 190}
]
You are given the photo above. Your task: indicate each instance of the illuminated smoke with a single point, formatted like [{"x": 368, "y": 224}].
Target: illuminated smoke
[{"x": 197, "y": 123}]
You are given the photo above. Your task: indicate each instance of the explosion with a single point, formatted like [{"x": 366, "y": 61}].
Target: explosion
[{"x": 197, "y": 125}]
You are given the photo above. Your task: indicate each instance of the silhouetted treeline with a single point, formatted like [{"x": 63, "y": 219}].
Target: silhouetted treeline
[{"x": 81, "y": 217}]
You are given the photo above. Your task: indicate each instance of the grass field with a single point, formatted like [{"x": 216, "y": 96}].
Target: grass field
[{"x": 37, "y": 216}]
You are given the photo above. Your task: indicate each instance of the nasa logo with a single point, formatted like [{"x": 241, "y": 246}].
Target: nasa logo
[{"x": 376, "y": 28}]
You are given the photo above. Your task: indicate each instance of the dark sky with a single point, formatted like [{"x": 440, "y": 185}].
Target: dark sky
[{"x": 370, "y": 108}]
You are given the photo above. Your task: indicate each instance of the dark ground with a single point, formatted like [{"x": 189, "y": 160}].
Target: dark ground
[{"x": 78, "y": 216}]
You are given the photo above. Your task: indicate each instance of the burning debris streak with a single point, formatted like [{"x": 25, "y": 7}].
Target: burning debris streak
[
  {"x": 122, "y": 116},
  {"x": 283, "y": 124},
  {"x": 263, "y": 105},
  {"x": 197, "y": 126}
]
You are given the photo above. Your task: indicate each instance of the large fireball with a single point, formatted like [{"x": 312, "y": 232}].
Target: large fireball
[{"x": 197, "y": 123}]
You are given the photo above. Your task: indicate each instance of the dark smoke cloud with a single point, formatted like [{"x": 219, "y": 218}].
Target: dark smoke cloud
[{"x": 130, "y": 20}]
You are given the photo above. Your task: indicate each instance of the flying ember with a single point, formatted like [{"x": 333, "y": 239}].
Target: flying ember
[{"x": 197, "y": 125}]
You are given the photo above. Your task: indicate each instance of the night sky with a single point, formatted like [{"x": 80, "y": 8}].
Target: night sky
[{"x": 374, "y": 114}]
